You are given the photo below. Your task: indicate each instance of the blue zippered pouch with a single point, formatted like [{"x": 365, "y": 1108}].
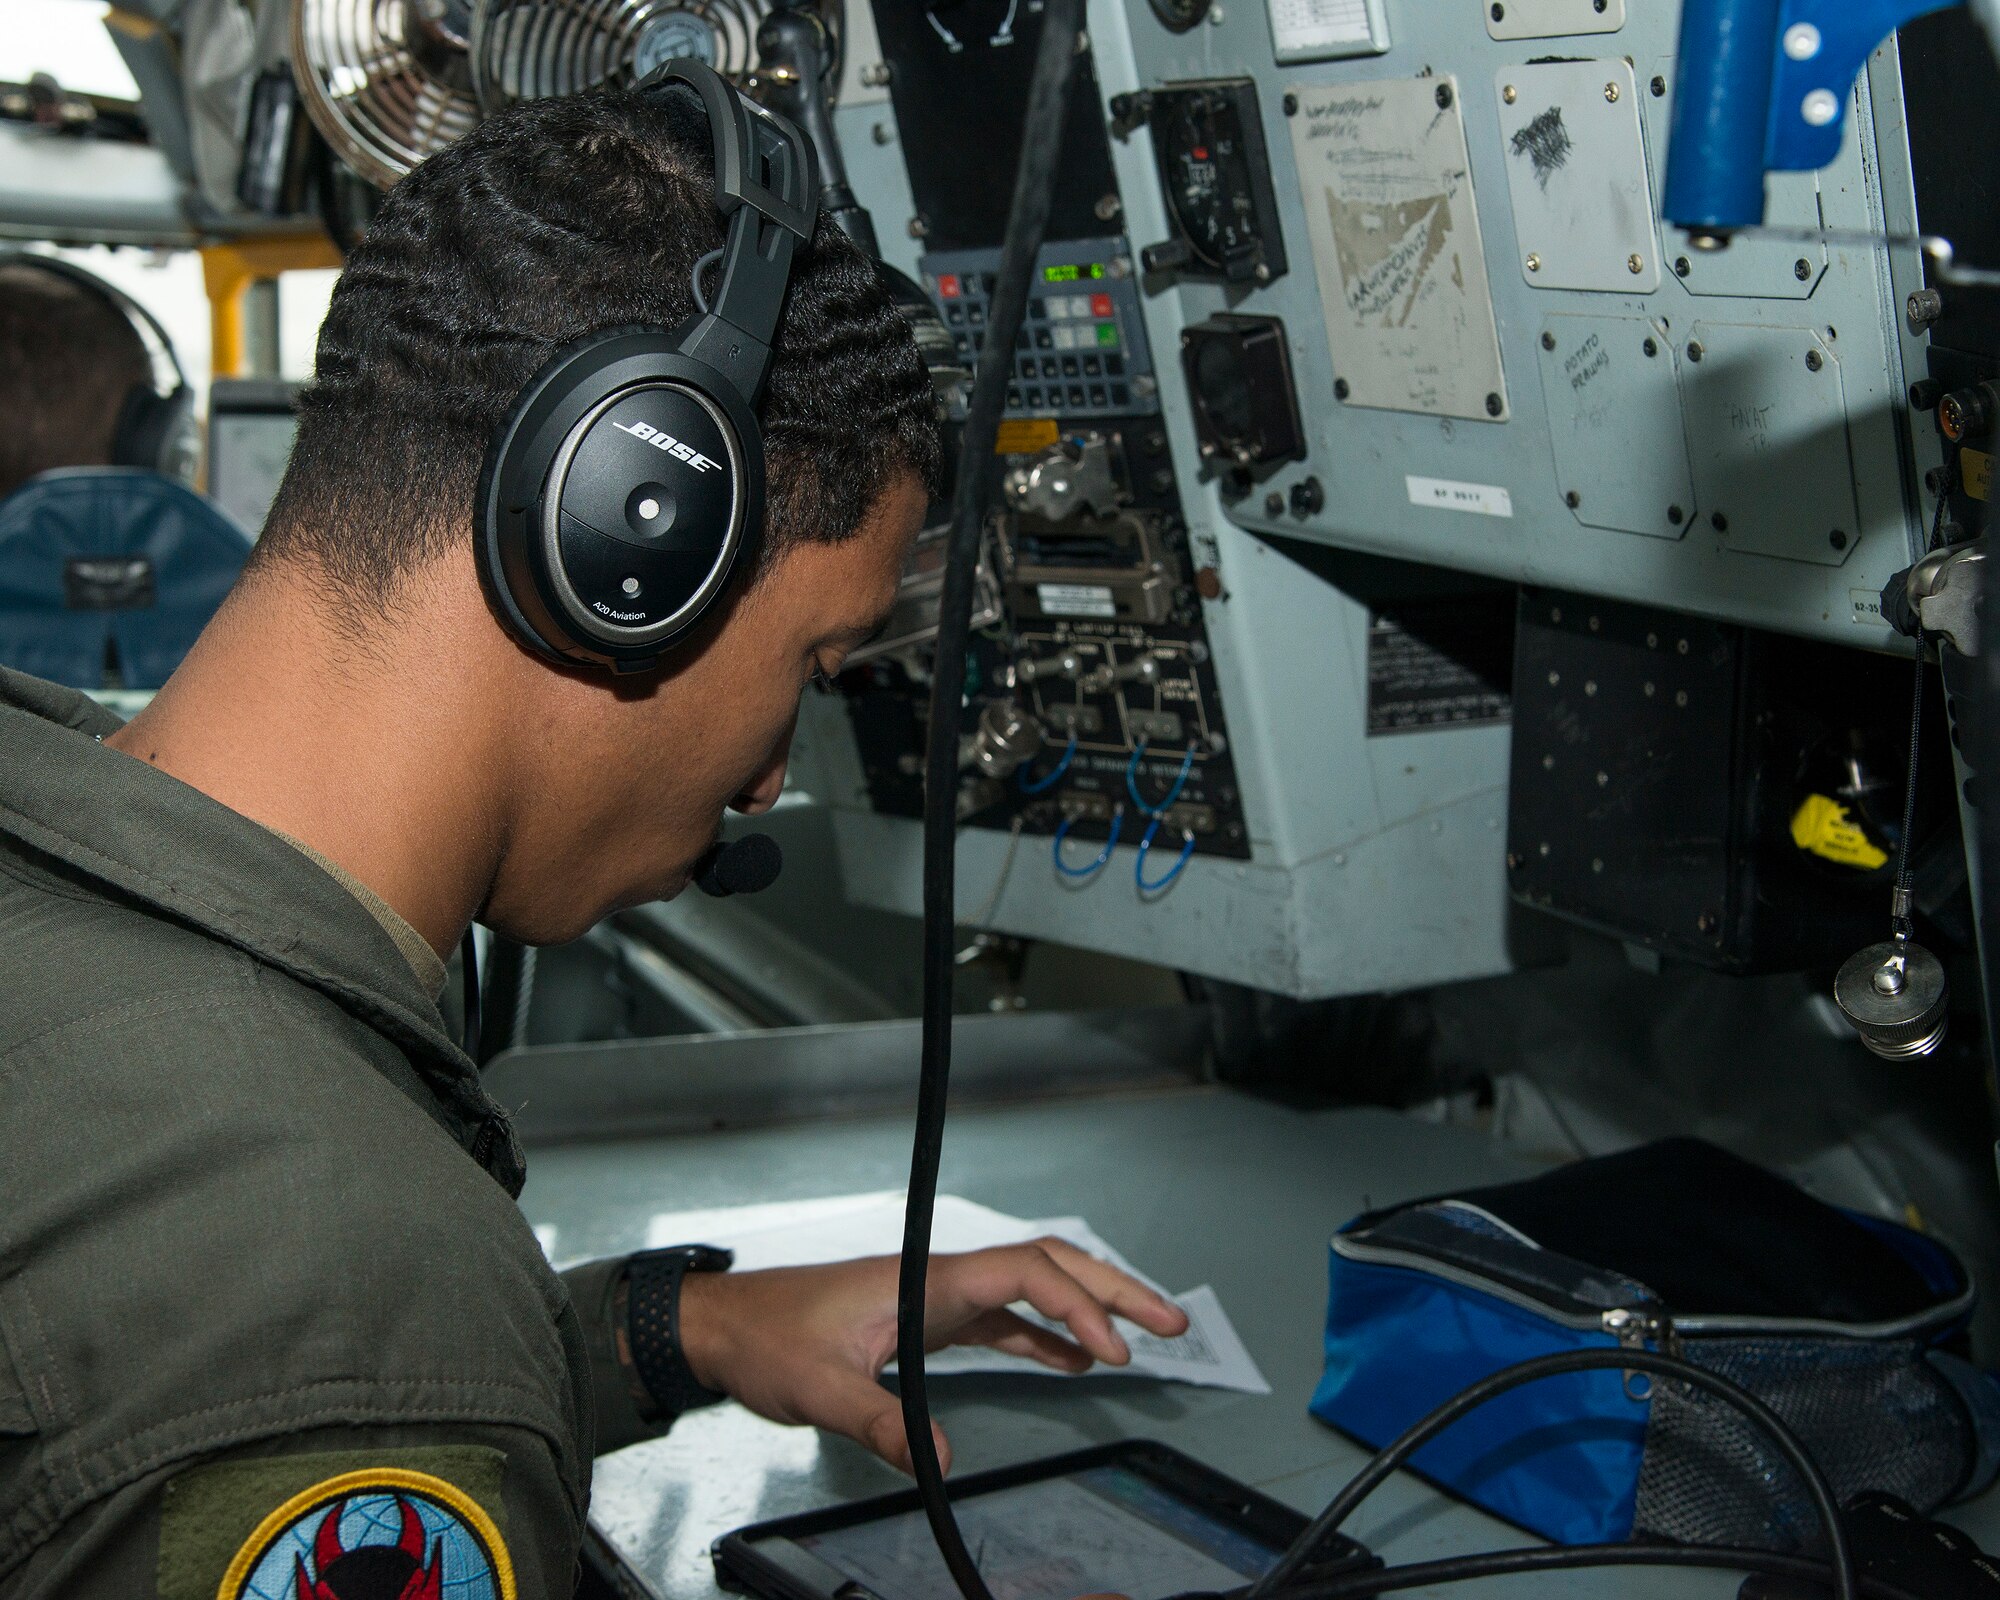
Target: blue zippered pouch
[{"x": 1850, "y": 1327}]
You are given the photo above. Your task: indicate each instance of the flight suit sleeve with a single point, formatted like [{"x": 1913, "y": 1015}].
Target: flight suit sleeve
[
  {"x": 625, "y": 1412},
  {"x": 479, "y": 1511}
]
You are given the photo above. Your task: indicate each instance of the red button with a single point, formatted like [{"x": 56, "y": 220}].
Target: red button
[
  {"x": 1100, "y": 305},
  {"x": 948, "y": 286}
]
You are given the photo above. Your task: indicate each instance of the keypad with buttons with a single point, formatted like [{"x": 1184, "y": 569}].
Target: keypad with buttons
[{"x": 1081, "y": 346}]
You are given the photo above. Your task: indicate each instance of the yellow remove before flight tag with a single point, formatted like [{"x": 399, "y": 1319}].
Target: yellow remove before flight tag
[{"x": 1821, "y": 826}]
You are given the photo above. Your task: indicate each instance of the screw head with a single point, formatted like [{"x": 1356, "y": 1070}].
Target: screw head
[
  {"x": 1548, "y": 341},
  {"x": 1695, "y": 350},
  {"x": 1814, "y": 361},
  {"x": 1611, "y": 94},
  {"x": 1718, "y": 522},
  {"x": 1495, "y": 405},
  {"x": 1821, "y": 108},
  {"x": 1534, "y": 262},
  {"x": 1444, "y": 96},
  {"x": 1676, "y": 515},
  {"x": 1652, "y": 347},
  {"x": 1291, "y": 104},
  {"x": 1659, "y": 87},
  {"x": 1635, "y": 263},
  {"x": 1802, "y": 41},
  {"x": 1509, "y": 94},
  {"x": 1274, "y": 504},
  {"x": 1499, "y": 12},
  {"x": 1572, "y": 500},
  {"x": 1838, "y": 539},
  {"x": 1682, "y": 266},
  {"x": 1341, "y": 389},
  {"x": 1802, "y": 269}
]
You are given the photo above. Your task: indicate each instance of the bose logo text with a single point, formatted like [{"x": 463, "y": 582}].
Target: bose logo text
[{"x": 668, "y": 443}]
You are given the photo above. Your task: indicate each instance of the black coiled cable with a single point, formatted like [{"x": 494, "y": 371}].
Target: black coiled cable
[{"x": 1027, "y": 220}]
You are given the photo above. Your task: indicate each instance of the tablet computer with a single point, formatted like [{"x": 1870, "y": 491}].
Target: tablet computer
[{"x": 1134, "y": 1518}]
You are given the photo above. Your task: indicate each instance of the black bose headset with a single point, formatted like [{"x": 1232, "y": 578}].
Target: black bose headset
[
  {"x": 156, "y": 429},
  {"x": 626, "y": 484}
]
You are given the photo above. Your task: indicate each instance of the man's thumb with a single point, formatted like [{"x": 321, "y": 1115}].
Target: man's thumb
[{"x": 870, "y": 1415}]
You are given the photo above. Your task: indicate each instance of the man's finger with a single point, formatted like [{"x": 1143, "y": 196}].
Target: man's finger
[
  {"x": 1124, "y": 1294},
  {"x": 845, "y": 1401},
  {"x": 991, "y": 1279},
  {"x": 1014, "y": 1334}
]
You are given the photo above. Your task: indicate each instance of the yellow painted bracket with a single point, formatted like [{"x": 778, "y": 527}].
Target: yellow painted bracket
[{"x": 228, "y": 270}]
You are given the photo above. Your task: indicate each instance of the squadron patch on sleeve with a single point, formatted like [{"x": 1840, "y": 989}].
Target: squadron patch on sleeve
[{"x": 378, "y": 1533}]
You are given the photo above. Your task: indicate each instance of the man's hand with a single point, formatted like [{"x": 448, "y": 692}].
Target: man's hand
[{"x": 807, "y": 1344}]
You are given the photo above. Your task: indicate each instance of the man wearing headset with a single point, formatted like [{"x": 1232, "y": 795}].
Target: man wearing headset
[
  {"x": 270, "y": 1322},
  {"x": 77, "y": 386}
]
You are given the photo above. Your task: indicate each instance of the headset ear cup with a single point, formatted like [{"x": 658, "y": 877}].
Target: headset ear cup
[
  {"x": 158, "y": 433},
  {"x": 617, "y": 430}
]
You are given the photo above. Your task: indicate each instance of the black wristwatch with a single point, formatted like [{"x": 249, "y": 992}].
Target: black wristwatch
[{"x": 653, "y": 1323}]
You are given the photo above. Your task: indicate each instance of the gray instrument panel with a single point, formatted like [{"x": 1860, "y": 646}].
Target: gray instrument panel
[
  {"x": 1772, "y": 394},
  {"x": 1512, "y": 367}
]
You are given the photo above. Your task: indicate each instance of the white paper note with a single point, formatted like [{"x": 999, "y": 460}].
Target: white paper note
[{"x": 839, "y": 1228}]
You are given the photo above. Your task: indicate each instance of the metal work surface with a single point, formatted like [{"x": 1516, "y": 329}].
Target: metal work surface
[
  {"x": 1195, "y": 1185},
  {"x": 634, "y": 1088}
]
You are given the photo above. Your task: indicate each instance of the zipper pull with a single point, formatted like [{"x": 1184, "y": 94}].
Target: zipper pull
[{"x": 1637, "y": 1328}]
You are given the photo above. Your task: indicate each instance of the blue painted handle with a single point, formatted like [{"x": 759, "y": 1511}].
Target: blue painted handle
[
  {"x": 1746, "y": 102},
  {"x": 1722, "y": 110}
]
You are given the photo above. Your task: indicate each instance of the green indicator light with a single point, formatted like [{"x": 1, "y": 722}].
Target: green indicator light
[
  {"x": 1107, "y": 333},
  {"x": 1063, "y": 274},
  {"x": 1097, "y": 269}
]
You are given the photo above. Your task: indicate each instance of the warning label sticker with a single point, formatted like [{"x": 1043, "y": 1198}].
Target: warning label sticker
[
  {"x": 1077, "y": 600},
  {"x": 1420, "y": 679}
]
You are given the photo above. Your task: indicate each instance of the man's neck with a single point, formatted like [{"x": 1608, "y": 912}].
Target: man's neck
[{"x": 375, "y": 757}]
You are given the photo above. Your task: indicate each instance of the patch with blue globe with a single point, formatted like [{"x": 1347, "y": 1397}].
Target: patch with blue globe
[{"x": 387, "y": 1534}]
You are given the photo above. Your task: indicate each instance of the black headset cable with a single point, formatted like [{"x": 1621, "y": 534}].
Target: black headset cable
[{"x": 1027, "y": 221}]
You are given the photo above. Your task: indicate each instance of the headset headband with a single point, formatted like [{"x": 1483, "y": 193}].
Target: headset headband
[
  {"x": 134, "y": 312},
  {"x": 767, "y": 188}
]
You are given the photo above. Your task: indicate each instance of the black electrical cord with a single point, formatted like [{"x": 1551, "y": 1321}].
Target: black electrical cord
[
  {"x": 1901, "y": 895},
  {"x": 1027, "y": 220},
  {"x": 1508, "y": 1563},
  {"x": 1418, "y": 1434}
]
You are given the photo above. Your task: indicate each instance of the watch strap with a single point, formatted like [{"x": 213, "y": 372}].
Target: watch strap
[{"x": 653, "y": 1323}]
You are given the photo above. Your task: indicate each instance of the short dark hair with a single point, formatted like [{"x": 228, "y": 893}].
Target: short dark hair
[
  {"x": 69, "y": 358},
  {"x": 555, "y": 219}
]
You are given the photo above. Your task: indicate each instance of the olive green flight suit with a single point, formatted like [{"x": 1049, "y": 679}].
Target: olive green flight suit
[{"x": 257, "y": 1219}]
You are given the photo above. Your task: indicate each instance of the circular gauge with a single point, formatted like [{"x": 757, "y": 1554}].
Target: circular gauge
[
  {"x": 1209, "y": 182},
  {"x": 1178, "y": 16}
]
